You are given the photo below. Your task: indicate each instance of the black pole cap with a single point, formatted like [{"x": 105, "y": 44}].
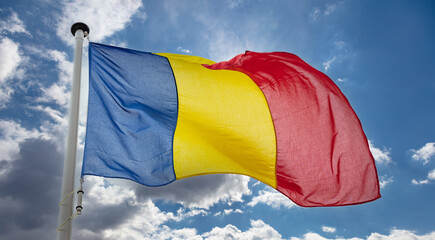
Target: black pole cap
[{"x": 79, "y": 25}]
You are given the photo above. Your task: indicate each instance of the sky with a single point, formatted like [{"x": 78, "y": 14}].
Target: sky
[{"x": 379, "y": 53}]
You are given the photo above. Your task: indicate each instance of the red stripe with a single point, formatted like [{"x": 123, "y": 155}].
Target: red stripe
[{"x": 323, "y": 158}]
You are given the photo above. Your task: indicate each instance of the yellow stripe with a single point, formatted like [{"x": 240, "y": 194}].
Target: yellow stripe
[{"x": 224, "y": 124}]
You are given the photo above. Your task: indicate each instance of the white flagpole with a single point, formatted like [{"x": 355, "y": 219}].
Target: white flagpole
[{"x": 79, "y": 30}]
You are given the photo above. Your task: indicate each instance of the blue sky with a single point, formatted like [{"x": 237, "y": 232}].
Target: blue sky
[{"x": 380, "y": 54}]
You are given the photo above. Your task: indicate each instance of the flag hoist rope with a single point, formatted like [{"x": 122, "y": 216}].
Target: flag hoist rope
[
  {"x": 79, "y": 207},
  {"x": 79, "y": 31}
]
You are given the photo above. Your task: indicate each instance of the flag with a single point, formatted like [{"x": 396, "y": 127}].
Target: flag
[{"x": 156, "y": 118}]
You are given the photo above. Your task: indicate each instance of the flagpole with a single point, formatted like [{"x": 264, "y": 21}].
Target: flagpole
[{"x": 79, "y": 30}]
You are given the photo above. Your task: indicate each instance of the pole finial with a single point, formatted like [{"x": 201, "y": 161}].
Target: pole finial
[{"x": 79, "y": 25}]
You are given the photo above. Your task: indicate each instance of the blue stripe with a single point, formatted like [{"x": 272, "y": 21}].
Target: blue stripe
[{"x": 132, "y": 115}]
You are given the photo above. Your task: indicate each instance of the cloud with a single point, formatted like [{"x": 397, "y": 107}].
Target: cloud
[
  {"x": 183, "y": 50},
  {"x": 430, "y": 177},
  {"x": 258, "y": 230},
  {"x": 328, "y": 229},
  {"x": 123, "y": 205},
  {"x": 330, "y": 8},
  {"x": 10, "y": 60},
  {"x": 183, "y": 213},
  {"x": 169, "y": 234},
  {"x": 401, "y": 234},
  {"x": 271, "y": 198},
  {"x": 234, "y": 3},
  {"x": 12, "y": 135},
  {"x": 421, "y": 182},
  {"x": 29, "y": 192},
  {"x": 381, "y": 156},
  {"x": 59, "y": 92},
  {"x": 145, "y": 222},
  {"x": 105, "y": 193},
  {"x": 227, "y": 212},
  {"x": 384, "y": 181},
  {"x": 425, "y": 153},
  {"x": 314, "y": 15},
  {"x": 224, "y": 45},
  {"x": 327, "y": 64},
  {"x": 13, "y": 24},
  {"x": 104, "y": 17},
  {"x": 138, "y": 226},
  {"x": 341, "y": 60},
  {"x": 395, "y": 234},
  {"x": 319, "y": 13},
  {"x": 139, "y": 220},
  {"x": 55, "y": 98},
  {"x": 200, "y": 191}
]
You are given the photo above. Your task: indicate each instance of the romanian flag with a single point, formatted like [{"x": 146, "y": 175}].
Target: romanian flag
[{"x": 156, "y": 118}]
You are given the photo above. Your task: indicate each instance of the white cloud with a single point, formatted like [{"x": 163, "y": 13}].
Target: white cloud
[
  {"x": 316, "y": 236},
  {"x": 329, "y": 229},
  {"x": 327, "y": 64},
  {"x": 148, "y": 223},
  {"x": 425, "y": 153},
  {"x": 13, "y": 24},
  {"x": 384, "y": 181},
  {"x": 102, "y": 192},
  {"x": 231, "y": 190},
  {"x": 142, "y": 16},
  {"x": 143, "y": 224},
  {"x": 55, "y": 115},
  {"x": 11, "y": 135},
  {"x": 183, "y": 213},
  {"x": 430, "y": 177},
  {"x": 201, "y": 191},
  {"x": 398, "y": 234},
  {"x": 273, "y": 198},
  {"x": 421, "y": 182},
  {"x": 104, "y": 17},
  {"x": 54, "y": 129},
  {"x": 341, "y": 57},
  {"x": 395, "y": 234},
  {"x": 315, "y": 14},
  {"x": 10, "y": 59},
  {"x": 340, "y": 45},
  {"x": 256, "y": 183},
  {"x": 228, "y": 212},
  {"x": 234, "y": 3},
  {"x": 318, "y": 13},
  {"x": 238, "y": 211},
  {"x": 177, "y": 234},
  {"x": 59, "y": 92},
  {"x": 381, "y": 156},
  {"x": 330, "y": 8},
  {"x": 5, "y": 95},
  {"x": 183, "y": 50},
  {"x": 224, "y": 45},
  {"x": 258, "y": 230}
]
